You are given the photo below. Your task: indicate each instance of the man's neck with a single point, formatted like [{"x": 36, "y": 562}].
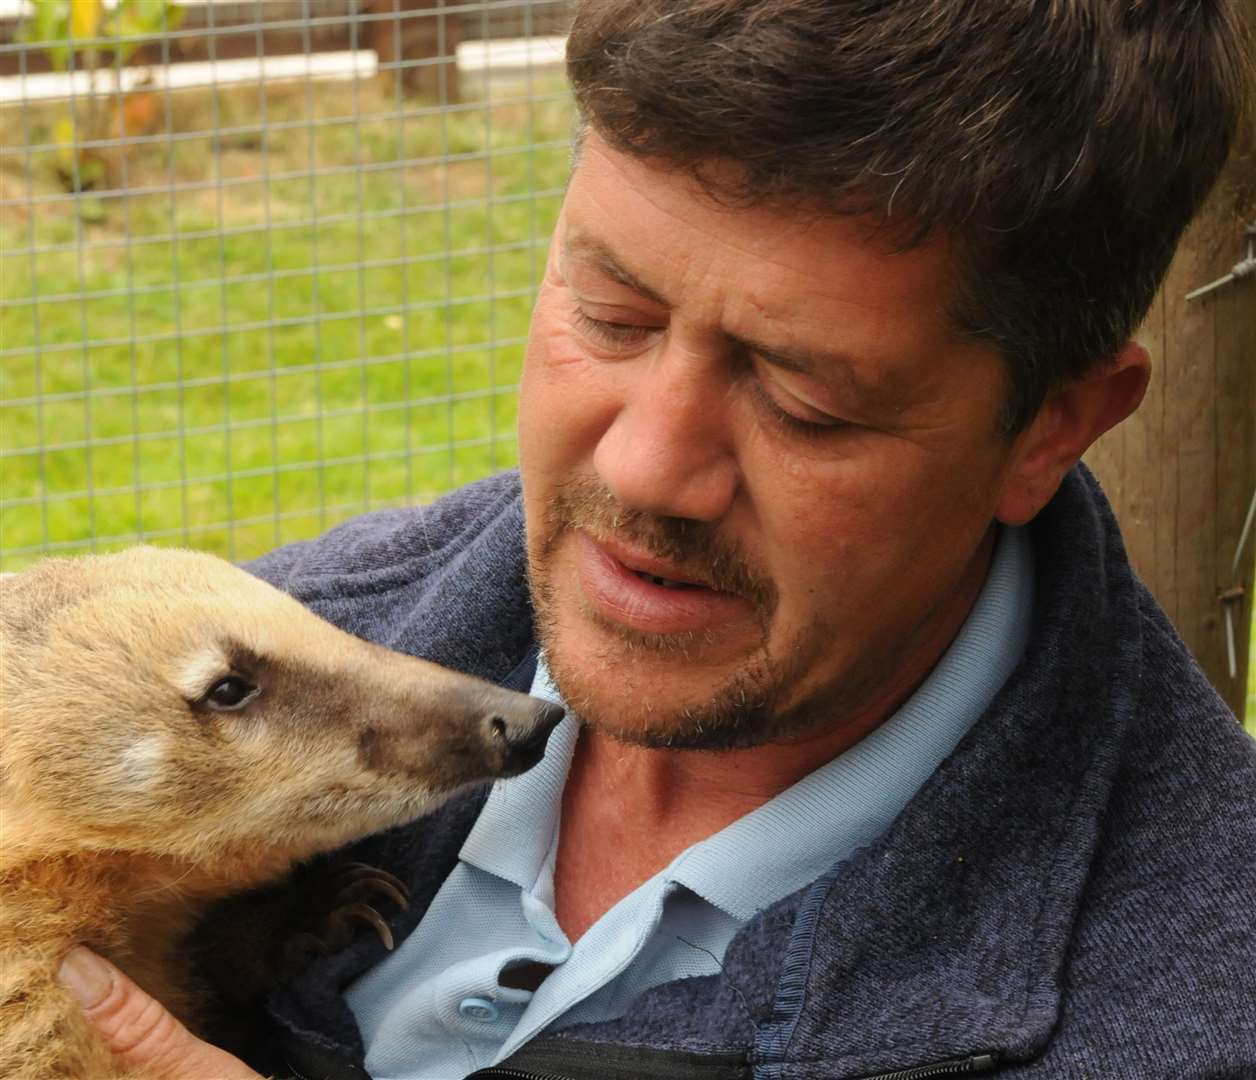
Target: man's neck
[{"x": 628, "y": 810}]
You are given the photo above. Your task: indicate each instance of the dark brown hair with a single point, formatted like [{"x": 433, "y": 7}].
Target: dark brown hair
[{"x": 1064, "y": 144}]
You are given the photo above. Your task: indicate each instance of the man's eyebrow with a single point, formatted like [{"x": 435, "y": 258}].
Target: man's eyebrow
[
  {"x": 803, "y": 361},
  {"x": 598, "y": 252},
  {"x": 823, "y": 364},
  {"x": 876, "y": 387}
]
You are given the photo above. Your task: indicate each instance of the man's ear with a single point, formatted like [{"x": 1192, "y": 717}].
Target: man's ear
[{"x": 1071, "y": 418}]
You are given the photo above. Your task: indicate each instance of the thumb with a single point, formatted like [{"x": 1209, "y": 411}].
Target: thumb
[{"x": 137, "y": 1029}]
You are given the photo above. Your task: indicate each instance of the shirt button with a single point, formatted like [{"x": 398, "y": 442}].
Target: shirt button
[{"x": 477, "y": 1008}]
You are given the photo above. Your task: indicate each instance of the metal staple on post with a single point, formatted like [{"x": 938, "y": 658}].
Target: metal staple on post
[
  {"x": 1235, "y": 595},
  {"x": 1241, "y": 269}
]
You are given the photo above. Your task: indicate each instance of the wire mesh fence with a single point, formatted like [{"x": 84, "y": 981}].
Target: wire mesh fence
[{"x": 264, "y": 265}]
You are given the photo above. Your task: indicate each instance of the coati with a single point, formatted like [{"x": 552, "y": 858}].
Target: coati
[{"x": 173, "y": 730}]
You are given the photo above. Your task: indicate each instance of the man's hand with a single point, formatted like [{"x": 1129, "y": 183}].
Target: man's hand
[{"x": 139, "y": 1031}]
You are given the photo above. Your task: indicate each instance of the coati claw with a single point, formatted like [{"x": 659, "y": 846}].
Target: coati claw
[
  {"x": 350, "y": 885},
  {"x": 367, "y": 887},
  {"x": 336, "y": 933},
  {"x": 358, "y": 881},
  {"x": 354, "y": 871},
  {"x": 366, "y": 914}
]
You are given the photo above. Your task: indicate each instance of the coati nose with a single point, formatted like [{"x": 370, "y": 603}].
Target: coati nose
[{"x": 523, "y": 732}]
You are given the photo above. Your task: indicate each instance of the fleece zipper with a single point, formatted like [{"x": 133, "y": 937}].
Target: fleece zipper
[
  {"x": 659, "y": 1069},
  {"x": 512, "y": 1074},
  {"x": 965, "y": 1066},
  {"x": 577, "y": 1059}
]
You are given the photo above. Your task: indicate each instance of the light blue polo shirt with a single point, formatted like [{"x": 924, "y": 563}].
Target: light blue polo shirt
[{"x": 435, "y": 1010}]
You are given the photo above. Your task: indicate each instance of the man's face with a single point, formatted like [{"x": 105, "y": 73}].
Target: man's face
[{"x": 760, "y": 463}]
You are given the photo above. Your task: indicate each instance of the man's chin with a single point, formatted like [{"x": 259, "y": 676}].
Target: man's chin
[
  {"x": 685, "y": 734},
  {"x": 709, "y": 691},
  {"x": 738, "y": 714}
]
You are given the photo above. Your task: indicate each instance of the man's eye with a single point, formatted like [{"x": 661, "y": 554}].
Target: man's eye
[
  {"x": 229, "y": 693},
  {"x": 610, "y": 333},
  {"x": 811, "y": 427}
]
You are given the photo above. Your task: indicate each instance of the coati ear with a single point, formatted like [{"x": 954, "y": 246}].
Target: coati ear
[
  {"x": 30, "y": 599},
  {"x": 20, "y": 616}
]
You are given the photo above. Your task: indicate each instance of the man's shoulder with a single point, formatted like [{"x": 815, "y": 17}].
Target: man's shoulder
[
  {"x": 394, "y": 544},
  {"x": 1183, "y": 764},
  {"x": 1164, "y": 949},
  {"x": 1184, "y": 798},
  {"x": 1146, "y": 843}
]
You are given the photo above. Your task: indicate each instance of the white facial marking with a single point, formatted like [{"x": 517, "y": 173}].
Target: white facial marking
[
  {"x": 200, "y": 671},
  {"x": 142, "y": 761}
]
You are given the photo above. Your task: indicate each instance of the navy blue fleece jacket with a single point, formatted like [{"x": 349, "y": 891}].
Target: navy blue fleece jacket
[{"x": 1072, "y": 894}]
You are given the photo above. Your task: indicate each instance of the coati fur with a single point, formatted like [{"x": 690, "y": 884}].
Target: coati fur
[{"x": 174, "y": 730}]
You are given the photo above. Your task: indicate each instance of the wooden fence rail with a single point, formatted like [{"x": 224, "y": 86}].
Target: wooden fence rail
[{"x": 417, "y": 37}]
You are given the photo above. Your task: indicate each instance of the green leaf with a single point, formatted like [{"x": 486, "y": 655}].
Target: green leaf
[
  {"x": 138, "y": 19},
  {"x": 91, "y": 209},
  {"x": 49, "y": 27}
]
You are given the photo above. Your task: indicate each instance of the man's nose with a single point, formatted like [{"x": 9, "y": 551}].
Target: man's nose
[{"x": 669, "y": 449}]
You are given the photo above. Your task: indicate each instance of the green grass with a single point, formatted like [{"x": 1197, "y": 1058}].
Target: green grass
[{"x": 270, "y": 376}]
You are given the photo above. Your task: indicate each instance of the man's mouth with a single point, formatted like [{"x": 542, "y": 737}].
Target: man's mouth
[
  {"x": 635, "y": 589},
  {"x": 666, "y": 583},
  {"x": 651, "y": 568}
]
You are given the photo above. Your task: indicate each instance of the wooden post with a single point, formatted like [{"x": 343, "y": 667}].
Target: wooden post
[
  {"x": 423, "y": 31},
  {"x": 1182, "y": 470}
]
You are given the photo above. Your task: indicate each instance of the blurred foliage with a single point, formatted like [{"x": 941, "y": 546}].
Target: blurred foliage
[
  {"x": 85, "y": 35},
  {"x": 90, "y": 30}
]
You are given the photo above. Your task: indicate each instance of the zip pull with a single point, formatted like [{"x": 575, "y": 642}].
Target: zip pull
[
  {"x": 494, "y": 1072},
  {"x": 965, "y": 1066}
]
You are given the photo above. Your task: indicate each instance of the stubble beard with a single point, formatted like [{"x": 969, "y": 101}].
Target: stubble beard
[{"x": 744, "y": 711}]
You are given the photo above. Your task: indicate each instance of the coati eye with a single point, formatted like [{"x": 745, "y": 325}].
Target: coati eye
[{"x": 230, "y": 693}]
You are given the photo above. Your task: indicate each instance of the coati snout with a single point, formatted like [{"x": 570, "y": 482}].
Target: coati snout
[{"x": 165, "y": 701}]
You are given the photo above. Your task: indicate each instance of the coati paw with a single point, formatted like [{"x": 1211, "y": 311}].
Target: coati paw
[{"x": 352, "y": 889}]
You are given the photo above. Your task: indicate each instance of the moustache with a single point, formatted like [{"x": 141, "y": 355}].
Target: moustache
[{"x": 695, "y": 548}]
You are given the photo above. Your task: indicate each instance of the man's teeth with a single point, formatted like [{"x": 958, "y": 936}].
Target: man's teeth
[{"x": 667, "y": 583}]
